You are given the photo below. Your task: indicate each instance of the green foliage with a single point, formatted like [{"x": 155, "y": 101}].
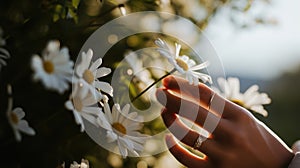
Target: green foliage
[{"x": 284, "y": 110}]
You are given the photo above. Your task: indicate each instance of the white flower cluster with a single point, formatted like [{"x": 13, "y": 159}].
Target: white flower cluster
[
  {"x": 88, "y": 92},
  {"x": 4, "y": 54},
  {"x": 89, "y": 99},
  {"x": 84, "y": 164},
  {"x": 89, "y": 95}
]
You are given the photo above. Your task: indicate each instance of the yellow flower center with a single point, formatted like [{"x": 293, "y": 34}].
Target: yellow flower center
[
  {"x": 182, "y": 64},
  {"x": 14, "y": 118},
  {"x": 121, "y": 130},
  {"x": 88, "y": 76},
  {"x": 77, "y": 104},
  {"x": 238, "y": 102},
  {"x": 48, "y": 67}
]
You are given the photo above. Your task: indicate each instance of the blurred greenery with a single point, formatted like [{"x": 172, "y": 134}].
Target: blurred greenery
[
  {"x": 284, "y": 112},
  {"x": 29, "y": 24}
]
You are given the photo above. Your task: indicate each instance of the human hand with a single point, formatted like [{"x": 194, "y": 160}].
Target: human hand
[{"x": 239, "y": 140}]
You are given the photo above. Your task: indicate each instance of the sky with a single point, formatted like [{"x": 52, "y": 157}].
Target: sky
[{"x": 263, "y": 51}]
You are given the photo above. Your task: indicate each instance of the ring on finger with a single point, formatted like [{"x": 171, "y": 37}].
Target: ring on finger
[
  {"x": 199, "y": 142},
  {"x": 211, "y": 99}
]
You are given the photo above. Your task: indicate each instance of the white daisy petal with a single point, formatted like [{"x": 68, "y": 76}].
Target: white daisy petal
[
  {"x": 122, "y": 149},
  {"x": 17, "y": 135},
  {"x": 159, "y": 42},
  {"x": 107, "y": 112},
  {"x": 190, "y": 79},
  {"x": 200, "y": 66},
  {"x": 84, "y": 64},
  {"x": 96, "y": 64},
  {"x": 77, "y": 117},
  {"x": 25, "y": 128},
  {"x": 86, "y": 58},
  {"x": 19, "y": 112},
  {"x": 92, "y": 110},
  {"x": 192, "y": 64},
  {"x": 105, "y": 87},
  {"x": 134, "y": 126},
  {"x": 5, "y": 52},
  {"x": 102, "y": 121},
  {"x": 177, "y": 49},
  {"x": 115, "y": 112},
  {"x": 111, "y": 136},
  {"x": 102, "y": 72},
  {"x": 36, "y": 63},
  {"x": 165, "y": 53},
  {"x": 203, "y": 77},
  {"x": 195, "y": 80},
  {"x": 259, "y": 109},
  {"x": 234, "y": 85},
  {"x": 186, "y": 59},
  {"x": 129, "y": 145},
  {"x": 53, "y": 46},
  {"x": 90, "y": 118},
  {"x": 250, "y": 91}
]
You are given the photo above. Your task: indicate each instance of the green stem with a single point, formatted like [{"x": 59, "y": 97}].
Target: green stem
[{"x": 155, "y": 82}]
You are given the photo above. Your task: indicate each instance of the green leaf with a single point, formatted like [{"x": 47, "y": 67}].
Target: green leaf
[
  {"x": 75, "y": 3},
  {"x": 58, "y": 12},
  {"x": 73, "y": 15}
]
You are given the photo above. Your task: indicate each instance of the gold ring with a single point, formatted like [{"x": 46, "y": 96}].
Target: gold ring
[
  {"x": 198, "y": 142},
  {"x": 210, "y": 100}
]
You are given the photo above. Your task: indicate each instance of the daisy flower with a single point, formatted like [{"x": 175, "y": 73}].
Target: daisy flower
[
  {"x": 142, "y": 76},
  {"x": 88, "y": 74},
  {"x": 15, "y": 117},
  {"x": 81, "y": 104},
  {"x": 2, "y": 41},
  {"x": 84, "y": 164},
  {"x": 138, "y": 69},
  {"x": 54, "y": 69},
  {"x": 183, "y": 64},
  {"x": 4, "y": 54},
  {"x": 122, "y": 127},
  {"x": 251, "y": 99}
]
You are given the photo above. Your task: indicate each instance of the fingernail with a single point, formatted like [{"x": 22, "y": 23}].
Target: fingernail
[
  {"x": 161, "y": 97},
  {"x": 163, "y": 111},
  {"x": 166, "y": 81}
]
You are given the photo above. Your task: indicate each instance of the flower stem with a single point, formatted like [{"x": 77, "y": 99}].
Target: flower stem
[{"x": 155, "y": 82}]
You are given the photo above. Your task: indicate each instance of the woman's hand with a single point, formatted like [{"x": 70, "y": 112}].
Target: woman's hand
[{"x": 237, "y": 139}]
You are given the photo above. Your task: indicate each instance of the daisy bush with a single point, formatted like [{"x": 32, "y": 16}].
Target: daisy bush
[{"x": 91, "y": 98}]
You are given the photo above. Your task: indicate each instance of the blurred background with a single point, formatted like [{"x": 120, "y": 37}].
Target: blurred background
[{"x": 257, "y": 41}]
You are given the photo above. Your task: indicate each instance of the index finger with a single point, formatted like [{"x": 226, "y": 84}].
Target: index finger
[{"x": 202, "y": 95}]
